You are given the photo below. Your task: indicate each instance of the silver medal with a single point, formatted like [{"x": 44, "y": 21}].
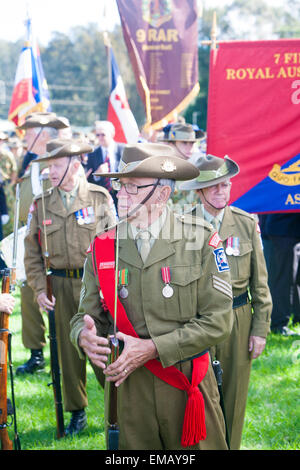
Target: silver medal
[
  {"x": 229, "y": 250},
  {"x": 123, "y": 292},
  {"x": 80, "y": 221},
  {"x": 167, "y": 291}
]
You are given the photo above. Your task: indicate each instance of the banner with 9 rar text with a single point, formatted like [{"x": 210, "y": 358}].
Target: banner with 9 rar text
[
  {"x": 254, "y": 118},
  {"x": 162, "y": 41}
]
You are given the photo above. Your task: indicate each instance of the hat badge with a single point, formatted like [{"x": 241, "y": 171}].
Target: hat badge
[{"x": 168, "y": 166}]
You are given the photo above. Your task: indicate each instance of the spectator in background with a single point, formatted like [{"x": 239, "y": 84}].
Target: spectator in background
[
  {"x": 282, "y": 232},
  {"x": 106, "y": 157}
]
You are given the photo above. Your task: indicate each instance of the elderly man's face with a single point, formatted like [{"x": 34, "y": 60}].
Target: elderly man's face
[
  {"x": 217, "y": 195},
  {"x": 104, "y": 137},
  {"x": 132, "y": 194},
  {"x": 58, "y": 167}
]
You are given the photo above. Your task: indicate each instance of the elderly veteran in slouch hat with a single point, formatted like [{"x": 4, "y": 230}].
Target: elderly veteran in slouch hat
[
  {"x": 66, "y": 217},
  {"x": 174, "y": 302},
  {"x": 39, "y": 128},
  {"x": 240, "y": 235},
  {"x": 183, "y": 137}
]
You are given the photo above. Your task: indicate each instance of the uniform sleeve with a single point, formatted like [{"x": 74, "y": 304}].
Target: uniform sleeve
[
  {"x": 89, "y": 304},
  {"x": 33, "y": 257},
  {"x": 214, "y": 318},
  {"x": 259, "y": 290}
]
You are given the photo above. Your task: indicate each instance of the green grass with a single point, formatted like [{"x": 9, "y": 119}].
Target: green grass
[{"x": 273, "y": 409}]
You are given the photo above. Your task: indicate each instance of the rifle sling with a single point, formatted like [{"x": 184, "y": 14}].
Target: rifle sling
[{"x": 194, "y": 430}]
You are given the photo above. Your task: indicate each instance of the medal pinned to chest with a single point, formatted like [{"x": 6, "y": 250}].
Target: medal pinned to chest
[
  {"x": 233, "y": 246},
  {"x": 168, "y": 290},
  {"x": 85, "y": 215},
  {"x": 123, "y": 283}
]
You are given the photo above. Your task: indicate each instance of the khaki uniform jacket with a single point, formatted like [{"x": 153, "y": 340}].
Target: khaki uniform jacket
[
  {"x": 248, "y": 269},
  {"x": 197, "y": 316},
  {"x": 67, "y": 240}
]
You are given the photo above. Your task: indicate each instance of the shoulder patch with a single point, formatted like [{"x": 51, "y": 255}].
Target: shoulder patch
[
  {"x": 221, "y": 260},
  {"x": 215, "y": 240}
]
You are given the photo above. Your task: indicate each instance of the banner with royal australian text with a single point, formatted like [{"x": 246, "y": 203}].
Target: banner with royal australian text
[
  {"x": 254, "y": 118},
  {"x": 162, "y": 41}
]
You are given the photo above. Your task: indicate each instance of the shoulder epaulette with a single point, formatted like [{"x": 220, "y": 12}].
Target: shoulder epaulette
[
  {"x": 239, "y": 211},
  {"x": 97, "y": 188},
  {"x": 193, "y": 220},
  {"x": 47, "y": 193}
]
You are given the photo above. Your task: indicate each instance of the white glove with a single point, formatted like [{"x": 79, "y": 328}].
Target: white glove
[{"x": 4, "y": 219}]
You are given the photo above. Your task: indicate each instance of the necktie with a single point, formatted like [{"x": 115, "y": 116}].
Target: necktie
[
  {"x": 143, "y": 244},
  {"x": 214, "y": 223},
  {"x": 67, "y": 200}
]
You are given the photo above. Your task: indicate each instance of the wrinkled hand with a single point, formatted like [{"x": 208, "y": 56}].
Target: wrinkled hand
[
  {"x": 256, "y": 345},
  {"x": 7, "y": 303},
  {"x": 45, "y": 303},
  {"x": 135, "y": 354},
  {"x": 95, "y": 347}
]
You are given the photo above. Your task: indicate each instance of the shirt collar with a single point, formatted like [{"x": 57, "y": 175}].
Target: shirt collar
[{"x": 154, "y": 228}]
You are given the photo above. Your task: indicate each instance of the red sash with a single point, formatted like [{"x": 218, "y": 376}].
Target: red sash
[{"x": 194, "y": 428}]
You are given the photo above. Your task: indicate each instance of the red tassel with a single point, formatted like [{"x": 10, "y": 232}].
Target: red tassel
[{"x": 194, "y": 429}]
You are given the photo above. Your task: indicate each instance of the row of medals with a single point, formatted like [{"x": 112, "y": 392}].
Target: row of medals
[
  {"x": 232, "y": 248},
  {"x": 167, "y": 291}
]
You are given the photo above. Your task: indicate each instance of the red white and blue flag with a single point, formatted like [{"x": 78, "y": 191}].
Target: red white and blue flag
[
  {"x": 30, "y": 93},
  {"x": 119, "y": 112}
]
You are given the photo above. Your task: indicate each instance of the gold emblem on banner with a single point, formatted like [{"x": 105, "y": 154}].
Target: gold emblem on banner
[
  {"x": 157, "y": 12},
  {"x": 288, "y": 176}
]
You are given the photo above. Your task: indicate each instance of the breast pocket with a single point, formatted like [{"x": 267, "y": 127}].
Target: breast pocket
[
  {"x": 184, "y": 283},
  {"x": 53, "y": 234},
  {"x": 240, "y": 265},
  {"x": 86, "y": 235}
]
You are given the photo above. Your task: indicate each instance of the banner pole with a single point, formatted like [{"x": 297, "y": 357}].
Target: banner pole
[{"x": 213, "y": 34}]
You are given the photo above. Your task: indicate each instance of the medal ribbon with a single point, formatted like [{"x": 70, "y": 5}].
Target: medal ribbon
[
  {"x": 194, "y": 429},
  {"x": 166, "y": 274},
  {"x": 123, "y": 277}
]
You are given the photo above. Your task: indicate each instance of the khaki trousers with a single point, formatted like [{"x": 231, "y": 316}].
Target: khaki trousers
[
  {"x": 236, "y": 361},
  {"x": 33, "y": 325},
  {"x": 151, "y": 412}
]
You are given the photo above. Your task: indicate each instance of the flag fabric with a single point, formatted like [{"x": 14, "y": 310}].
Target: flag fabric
[
  {"x": 119, "y": 112},
  {"x": 254, "y": 118},
  {"x": 162, "y": 41},
  {"x": 30, "y": 93}
]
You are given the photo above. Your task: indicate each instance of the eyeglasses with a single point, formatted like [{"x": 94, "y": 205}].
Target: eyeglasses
[
  {"x": 100, "y": 135},
  {"x": 130, "y": 188}
]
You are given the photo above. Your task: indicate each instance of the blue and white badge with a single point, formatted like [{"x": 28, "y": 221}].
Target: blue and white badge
[{"x": 221, "y": 260}]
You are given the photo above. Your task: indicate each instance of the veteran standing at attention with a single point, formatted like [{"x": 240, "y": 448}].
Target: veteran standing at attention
[
  {"x": 174, "y": 302},
  {"x": 252, "y": 304},
  {"x": 67, "y": 218}
]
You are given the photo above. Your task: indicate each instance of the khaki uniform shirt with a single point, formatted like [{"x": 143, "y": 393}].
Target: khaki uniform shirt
[
  {"x": 67, "y": 240},
  {"x": 248, "y": 269},
  {"x": 199, "y": 313}
]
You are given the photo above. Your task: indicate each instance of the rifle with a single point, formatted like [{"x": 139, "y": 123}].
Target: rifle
[
  {"x": 6, "y": 407},
  {"x": 6, "y": 443},
  {"x": 55, "y": 369},
  {"x": 218, "y": 374},
  {"x": 113, "y": 428}
]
